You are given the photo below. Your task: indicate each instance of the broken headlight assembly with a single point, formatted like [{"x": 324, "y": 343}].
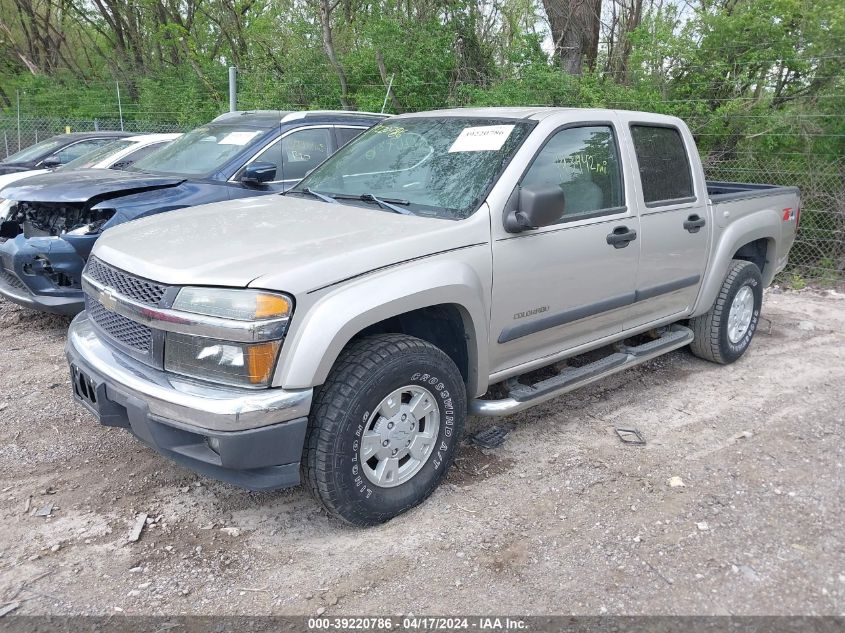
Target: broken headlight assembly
[
  {"x": 8, "y": 229},
  {"x": 262, "y": 317},
  {"x": 92, "y": 223}
]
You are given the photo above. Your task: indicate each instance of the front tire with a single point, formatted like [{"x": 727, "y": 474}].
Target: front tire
[
  {"x": 724, "y": 333},
  {"x": 384, "y": 428}
]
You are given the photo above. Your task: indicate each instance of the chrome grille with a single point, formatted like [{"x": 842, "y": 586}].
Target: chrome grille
[
  {"x": 135, "y": 288},
  {"x": 11, "y": 279},
  {"x": 126, "y": 331}
]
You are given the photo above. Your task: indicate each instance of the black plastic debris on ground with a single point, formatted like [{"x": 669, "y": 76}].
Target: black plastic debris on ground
[
  {"x": 492, "y": 437},
  {"x": 630, "y": 436}
]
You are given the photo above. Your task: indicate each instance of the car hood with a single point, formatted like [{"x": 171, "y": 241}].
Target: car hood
[
  {"x": 280, "y": 243},
  {"x": 85, "y": 185}
]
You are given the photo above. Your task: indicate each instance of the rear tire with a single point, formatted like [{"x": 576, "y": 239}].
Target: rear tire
[
  {"x": 383, "y": 429},
  {"x": 724, "y": 333}
]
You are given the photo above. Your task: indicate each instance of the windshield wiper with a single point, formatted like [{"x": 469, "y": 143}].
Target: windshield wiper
[
  {"x": 316, "y": 194},
  {"x": 384, "y": 203}
]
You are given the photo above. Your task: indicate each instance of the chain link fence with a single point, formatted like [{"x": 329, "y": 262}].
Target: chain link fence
[
  {"x": 819, "y": 250},
  {"x": 16, "y": 135},
  {"x": 818, "y": 254}
]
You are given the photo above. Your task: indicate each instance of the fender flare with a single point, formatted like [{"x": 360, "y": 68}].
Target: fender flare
[
  {"x": 761, "y": 225},
  {"x": 312, "y": 347}
]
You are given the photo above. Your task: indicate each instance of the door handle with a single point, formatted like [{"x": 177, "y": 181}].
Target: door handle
[
  {"x": 694, "y": 223},
  {"x": 621, "y": 237}
]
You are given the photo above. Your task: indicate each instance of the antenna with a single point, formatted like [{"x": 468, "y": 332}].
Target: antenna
[{"x": 387, "y": 94}]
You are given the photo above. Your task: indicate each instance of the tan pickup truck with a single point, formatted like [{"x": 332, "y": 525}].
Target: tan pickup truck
[{"x": 341, "y": 333}]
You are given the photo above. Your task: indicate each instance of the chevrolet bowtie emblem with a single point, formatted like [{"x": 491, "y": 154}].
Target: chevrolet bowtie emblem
[{"x": 108, "y": 299}]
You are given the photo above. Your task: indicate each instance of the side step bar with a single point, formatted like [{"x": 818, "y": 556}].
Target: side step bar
[{"x": 521, "y": 397}]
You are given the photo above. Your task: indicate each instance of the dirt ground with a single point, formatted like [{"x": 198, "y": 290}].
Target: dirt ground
[{"x": 563, "y": 518}]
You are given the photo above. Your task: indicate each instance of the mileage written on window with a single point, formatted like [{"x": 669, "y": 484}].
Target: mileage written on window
[{"x": 583, "y": 161}]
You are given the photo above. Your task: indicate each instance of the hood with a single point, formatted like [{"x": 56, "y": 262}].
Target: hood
[
  {"x": 284, "y": 243},
  {"x": 8, "y": 179},
  {"x": 84, "y": 185}
]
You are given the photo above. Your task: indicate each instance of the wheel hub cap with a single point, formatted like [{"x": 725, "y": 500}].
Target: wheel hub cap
[
  {"x": 399, "y": 436},
  {"x": 739, "y": 317}
]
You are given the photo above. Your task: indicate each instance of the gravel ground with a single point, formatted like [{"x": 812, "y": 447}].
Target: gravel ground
[{"x": 563, "y": 518}]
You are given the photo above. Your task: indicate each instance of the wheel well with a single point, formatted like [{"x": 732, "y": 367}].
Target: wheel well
[
  {"x": 754, "y": 252},
  {"x": 440, "y": 325}
]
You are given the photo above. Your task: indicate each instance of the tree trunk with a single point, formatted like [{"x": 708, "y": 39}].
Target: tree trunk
[
  {"x": 326, "y": 8},
  {"x": 620, "y": 47},
  {"x": 575, "y": 30}
]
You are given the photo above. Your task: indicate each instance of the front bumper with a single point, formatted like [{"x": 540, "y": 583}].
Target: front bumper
[
  {"x": 257, "y": 436},
  {"x": 36, "y": 289}
]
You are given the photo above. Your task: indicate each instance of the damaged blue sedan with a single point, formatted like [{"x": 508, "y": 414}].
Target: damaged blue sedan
[{"x": 49, "y": 222}]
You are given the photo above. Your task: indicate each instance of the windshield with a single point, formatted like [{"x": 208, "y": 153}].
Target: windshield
[
  {"x": 93, "y": 157},
  {"x": 201, "y": 151},
  {"x": 441, "y": 167},
  {"x": 33, "y": 151}
]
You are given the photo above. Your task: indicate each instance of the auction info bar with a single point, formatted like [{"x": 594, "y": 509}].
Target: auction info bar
[{"x": 379, "y": 624}]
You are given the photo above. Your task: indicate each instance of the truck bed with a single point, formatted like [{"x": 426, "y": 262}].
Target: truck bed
[{"x": 729, "y": 191}]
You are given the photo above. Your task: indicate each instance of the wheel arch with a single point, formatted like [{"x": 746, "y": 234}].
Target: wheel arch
[
  {"x": 757, "y": 252},
  {"x": 749, "y": 238},
  {"x": 447, "y": 326},
  {"x": 446, "y": 309}
]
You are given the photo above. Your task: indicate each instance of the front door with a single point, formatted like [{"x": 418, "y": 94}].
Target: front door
[{"x": 560, "y": 286}]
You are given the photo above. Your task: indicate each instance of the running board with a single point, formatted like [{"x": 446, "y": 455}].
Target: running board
[{"x": 521, "y": 397}]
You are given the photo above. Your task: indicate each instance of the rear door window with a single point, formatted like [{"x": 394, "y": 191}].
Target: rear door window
[
  {"x": 663, "y": 163},
  {"x": 346, "y": 134}
]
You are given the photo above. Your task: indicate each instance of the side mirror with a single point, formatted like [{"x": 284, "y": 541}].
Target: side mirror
[
  {"x": 536, "y": 207},
  {"x": 258, "y": 173},
  {"x": 51, "y": 162}
]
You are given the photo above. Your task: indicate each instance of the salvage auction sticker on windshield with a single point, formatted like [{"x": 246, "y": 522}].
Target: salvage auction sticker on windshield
[{"x": 484, "y": 138}]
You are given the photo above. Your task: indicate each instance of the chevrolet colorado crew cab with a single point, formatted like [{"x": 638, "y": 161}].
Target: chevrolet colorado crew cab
[
  {"x": 51, "y": 221},
  {"x": 342, "y": 333}
]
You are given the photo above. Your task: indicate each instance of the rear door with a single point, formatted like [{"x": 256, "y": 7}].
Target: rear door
[
  {"x": 564, "y": 285},
  {"x": 674, "y": 223}
]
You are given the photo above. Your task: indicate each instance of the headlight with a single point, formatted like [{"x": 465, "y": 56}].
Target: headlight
[
  {"x": 227, "y": 362},
  {"x": 241, "y": 305},
  {"x": 216, "y": 359}
]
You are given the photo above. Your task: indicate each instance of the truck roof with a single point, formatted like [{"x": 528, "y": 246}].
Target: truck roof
[
  {"x": 535, "y": 113},
  {"x": 528, "y": 112}
]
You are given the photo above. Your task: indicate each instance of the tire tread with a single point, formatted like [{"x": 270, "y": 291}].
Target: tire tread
[
  {"x": 356, "y": 363},
  {"x": 707, "y": 327}
]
